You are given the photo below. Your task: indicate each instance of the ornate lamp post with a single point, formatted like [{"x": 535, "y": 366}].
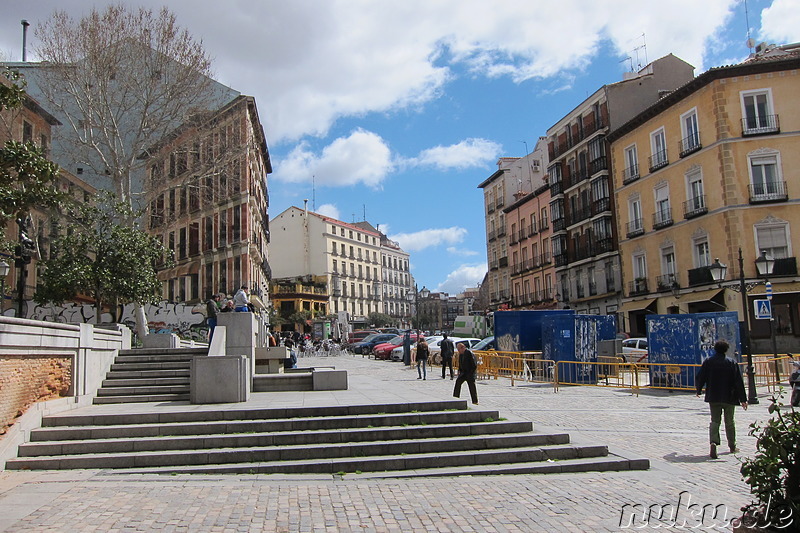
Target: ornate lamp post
[
  {"x": 764, "y": 265},
  {"x": 718, "y": 271},
  {"x": 4, "y": 270}
]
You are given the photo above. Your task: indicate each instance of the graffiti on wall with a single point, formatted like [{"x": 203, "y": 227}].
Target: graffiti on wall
[{"x": 187, "y": 321}]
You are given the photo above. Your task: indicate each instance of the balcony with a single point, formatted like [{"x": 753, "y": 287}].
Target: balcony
[
  {"x": 770, "y": 191},
  {"x": 658, "y": 160},
  {"x": 580, "y": 215},
  {"x": 516, "y": 268},
  {"x": 699, "y": 276},
  {"x": 598, "y": 165},
  {"x": 603, "y": 245},
  {"x": 544, "y": 259},
  {"x": 513, "y": 239},
  {"x": 490, "y": 208},
  {"x": 638, "y": 287},
  {"x": 523, "y": 234},
  {"x": 503, "y": 262},
  {"x": 500, "y": 203},
  {"x": 695, "y": 207},
  {"x": 560, "y": 259},
  {"x": 630, "y": 174},
  {"x": 601, "y": 205},
  {"x": 785, "y": 267},
  {"x": 501, "y": 231},
  {"x": 663, "y": 218},
  {"x": 634, "y": 228},
  {"x": 760, "y": 125},
  {"x": 690, "y": 144},
  {"x": 667, "y": 282},
  {"x": 556, "y": 187},
  {"x": 492, "y": 235},
  {"x": 559, "y": 224}
]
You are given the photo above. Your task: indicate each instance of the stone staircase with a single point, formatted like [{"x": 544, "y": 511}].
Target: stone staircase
[
  {"x": 148, "y": 375},
  {"x": 392, "y": 440}
]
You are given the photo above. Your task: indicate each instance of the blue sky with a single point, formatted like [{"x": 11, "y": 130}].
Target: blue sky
[{"x": 396, "y": 111}]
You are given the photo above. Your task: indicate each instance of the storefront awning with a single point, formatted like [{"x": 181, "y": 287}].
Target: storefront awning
[
  {"x": 700, "y": 296},
  {"x": 777, "y": 287},
  {"x": 636, "y": 305},
  {"x": 165, "y": 275}
]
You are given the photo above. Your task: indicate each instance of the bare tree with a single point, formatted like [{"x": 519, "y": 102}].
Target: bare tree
[{"x": 121, "y": 80}]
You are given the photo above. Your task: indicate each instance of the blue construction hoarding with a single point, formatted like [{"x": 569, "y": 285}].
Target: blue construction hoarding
[
  {"x": 573, "y": 339},
  {"x": 687, "y": 339},
  {"x": 521, "y": 331}
]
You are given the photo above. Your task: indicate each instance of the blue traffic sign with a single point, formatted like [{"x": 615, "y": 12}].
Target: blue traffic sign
[{"x": 763, "y": 308}]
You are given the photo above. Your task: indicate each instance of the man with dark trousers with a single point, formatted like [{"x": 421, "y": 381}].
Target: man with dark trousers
[
  {"x": 467, "y": 368},
  {"x": 447, "y": 350},
  {"x": 724, "y": 390}
]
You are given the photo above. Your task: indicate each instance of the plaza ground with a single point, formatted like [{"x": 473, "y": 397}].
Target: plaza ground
[{"x": 670, "y": 429}]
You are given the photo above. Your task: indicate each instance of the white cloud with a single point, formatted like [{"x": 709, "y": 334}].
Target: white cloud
[
  {"x": 463, "y": 277},
  {"x": 361, "y": 158},
  {"x": 414, "y": 242},
  {"x": 329, "y": 210},
  {"x": 466, "y": 154},
  {"x": 457, "y": 251},
  {"x": 309, "y": 63},
  {"x": 780, "y": 22}
]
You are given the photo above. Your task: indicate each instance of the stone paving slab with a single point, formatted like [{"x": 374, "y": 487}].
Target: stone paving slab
[{"x": 668, "y": 428}]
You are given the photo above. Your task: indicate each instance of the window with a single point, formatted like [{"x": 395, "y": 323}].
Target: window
[
  {"x": 765, "y": 176},
  {"x": 694, "y": 191},
  {"x": 702, "y": 254},
  {"x": 663, "y": 213},
  {"x": 631, "y": 171},
  {"x": 543, "y": 218},
  {"x": 533, "y": 223},
  {"x": 639, "y": 266},
  {"x": 27, "y": 132},
  {"x": 635, "y": 214},
  {"x": 658, "y": 149},
  {"x": 668, "y": 261},
  {"x": 757, "y": 112},
  {"x": 774, "y": 240},
  {"x": 690, "y": 132}
]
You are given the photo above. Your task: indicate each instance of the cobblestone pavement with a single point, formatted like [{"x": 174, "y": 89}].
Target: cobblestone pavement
[{"x": 668, "y": 428}]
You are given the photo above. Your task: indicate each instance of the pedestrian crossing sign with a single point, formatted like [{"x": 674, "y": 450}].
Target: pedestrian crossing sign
[{"x": 763, "y": 308}]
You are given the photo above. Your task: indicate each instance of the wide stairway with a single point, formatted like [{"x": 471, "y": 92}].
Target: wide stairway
[
  {"x": 148, "y": 375},
  {"x": 393, "y": 440}
]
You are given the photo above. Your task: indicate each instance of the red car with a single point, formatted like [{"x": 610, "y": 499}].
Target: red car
[{"x": 383, "y": 351}]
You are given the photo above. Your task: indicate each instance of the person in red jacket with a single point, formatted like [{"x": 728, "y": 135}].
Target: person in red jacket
[{"x": 724, "y": 390}]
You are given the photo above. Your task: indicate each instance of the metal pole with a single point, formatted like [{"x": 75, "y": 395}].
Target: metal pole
[
  {"x": 752, "y": 393},
  {"x": 772, "y": 333}
]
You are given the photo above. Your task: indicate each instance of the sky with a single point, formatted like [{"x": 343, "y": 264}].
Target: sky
[{"x": 394, "y": 112}]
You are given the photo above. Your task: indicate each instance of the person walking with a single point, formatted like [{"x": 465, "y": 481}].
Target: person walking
[
  {"x": 407, "y": 348},
  {"x": 241, "y": 299},
  {"x": 212, "y": 308},
  {"x": 422, "y": 358},
  {"x": 794, "y": 382},
  {"x": 447, "y": 351},
  {"x": 467, "y": 368},
  {"x": 724, "y": 390}
]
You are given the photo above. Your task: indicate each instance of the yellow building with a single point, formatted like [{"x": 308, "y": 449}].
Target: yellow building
[
  {"x": 301, "y": 293},
  {"x": 703, "y": 173}
]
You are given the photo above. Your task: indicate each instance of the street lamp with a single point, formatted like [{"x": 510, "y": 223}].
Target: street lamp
[
  {"x": 718, "y": 271},
  {"x": 4, "y": 270},
  {"x": 764, "y": 265}
]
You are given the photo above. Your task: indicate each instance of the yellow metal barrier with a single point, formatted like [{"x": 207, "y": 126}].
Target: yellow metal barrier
[
  {"x": 517, "y": 366},
  {"x": 605, "y": 372},
  {"x": 770, "y": 371}
]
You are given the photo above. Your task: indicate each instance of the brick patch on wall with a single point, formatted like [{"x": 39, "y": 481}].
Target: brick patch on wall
[{"x": 27, "y": 379}]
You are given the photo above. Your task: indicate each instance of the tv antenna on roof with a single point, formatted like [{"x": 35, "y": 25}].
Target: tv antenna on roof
[
  {"x": 629, "y": 59},
  {"x": 642, "y": 47},
  {"x": 750, "y": 41},
  {"x": 313, "y": 194}
]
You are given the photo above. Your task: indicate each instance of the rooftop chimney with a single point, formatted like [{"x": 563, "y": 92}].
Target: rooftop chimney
[{"x": 25, "y": 25}]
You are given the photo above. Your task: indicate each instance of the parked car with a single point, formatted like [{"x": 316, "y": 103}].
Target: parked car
[
  {"x": 383, "y": 351},
  {"x": 486, "y": 344},
  {"x": 397, "y": 353},
  {"x": 395, "y": 331},
  {"x": 365, "y": 347},
  {"x": 436, "y": 351},
  {"x": 635, "y": 350},
  {"x": 358, "y": 336}
]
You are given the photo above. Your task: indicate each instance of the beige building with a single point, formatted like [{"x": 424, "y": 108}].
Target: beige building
[
  {"x": 703, "y": 173},
  {"x": 349, "y": 256}
]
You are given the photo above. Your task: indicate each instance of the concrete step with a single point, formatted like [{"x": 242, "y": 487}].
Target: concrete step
[
  {"x": 384, "y": 443},
  {"x": 166, "y": 358},
  {"x": 141, "y": 398},
  {"x": 144, "y": 389},
  {"x": 197, "y": 414},
  {"x": 142, "y": 374},
  {"x": 164, "y": 351},
  {"x": 291, "y": 460},
  {"x": 421, "y": 420},
  {"x": 45, "y": 442},
  {"x": 283, "y": 382},
  {"x": 140, "y": 382},
  {"x": 142, "y": 367}
]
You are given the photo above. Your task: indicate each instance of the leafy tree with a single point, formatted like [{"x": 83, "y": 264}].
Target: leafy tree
[
  {"x": 102, "y": 256},
  {"x": 300, "y": 317},
  {"x": 27, "y": 179},
  {"x": 380, "y": 320}
]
